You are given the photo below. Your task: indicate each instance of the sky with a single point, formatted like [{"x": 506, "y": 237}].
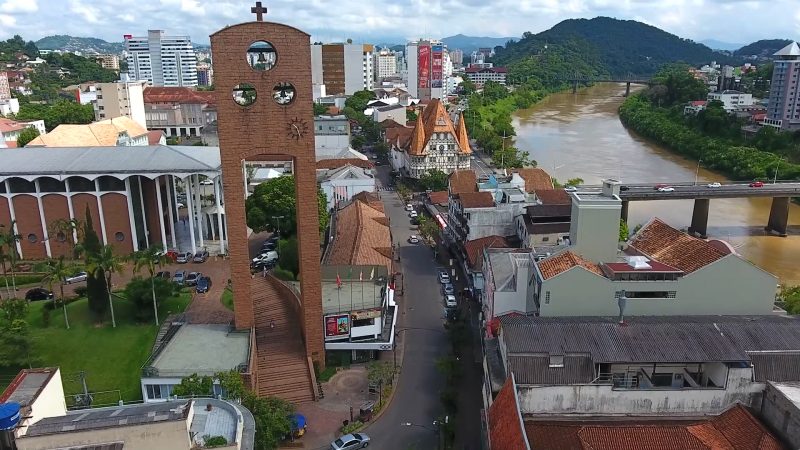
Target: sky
[{"x": 378, "y": 21}]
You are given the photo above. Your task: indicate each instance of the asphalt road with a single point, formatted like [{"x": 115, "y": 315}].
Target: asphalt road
[
  {"x": 421, "y": 329},
  {"x": 689, "y": 191}
]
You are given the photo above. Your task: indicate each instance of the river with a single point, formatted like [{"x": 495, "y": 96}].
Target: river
[{"x": 580, "y": 135}]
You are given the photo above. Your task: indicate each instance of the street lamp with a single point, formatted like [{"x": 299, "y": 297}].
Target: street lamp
[
  {"x": 278, "y": 228},
  {"x": 777, "y": 165},
  {"x": 697, "y": 171}
]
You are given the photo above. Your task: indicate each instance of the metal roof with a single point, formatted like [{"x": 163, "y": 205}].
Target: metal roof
[
  {"x": 120, "y": 162},
  {"x": 776, "y": 366},
  {"x": 575, "y": 369},
  {"x": 650, "y": 339}
]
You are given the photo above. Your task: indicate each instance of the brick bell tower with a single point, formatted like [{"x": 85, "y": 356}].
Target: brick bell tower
[{"x": 262, "y": 75}]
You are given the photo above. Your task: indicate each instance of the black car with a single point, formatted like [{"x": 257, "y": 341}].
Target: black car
[
  {"x": 203, "y": 285},
  {"x": 624, "y": 188},
  {"x": 38, "y": 294}
]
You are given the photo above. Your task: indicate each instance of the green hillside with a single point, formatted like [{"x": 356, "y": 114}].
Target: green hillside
[{"x": 762, "y": 48}]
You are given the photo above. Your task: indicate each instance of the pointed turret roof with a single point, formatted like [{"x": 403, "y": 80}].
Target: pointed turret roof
[
  {"x": 790, "y": 50},
  {"x": 416, "y": 145},
  {"x": 434, "y": 119},
  {"x": 463, "y": 138}
]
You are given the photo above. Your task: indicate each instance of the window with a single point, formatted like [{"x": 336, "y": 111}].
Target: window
[
  {"x": 650, "y": 294},
  {"x": 545, "y": 238},
  {"x": 157, "y": 391},
  {"x": 547, "y": 298},
  {"x": 32, "y": 238},
  {"x": 119, "y": 236},
  {"x": 556, "y": 361}
]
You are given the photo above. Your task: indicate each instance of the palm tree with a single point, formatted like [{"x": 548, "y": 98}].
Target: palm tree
[
  {"x": 10, "y": 239},
  {"x": 108, "y": 263},
  {"x": 149, "y": 258},
  {"x": 57, "y": 271}
]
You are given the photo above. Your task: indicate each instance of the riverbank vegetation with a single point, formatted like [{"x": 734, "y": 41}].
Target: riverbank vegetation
[{"x": 713, "y": 136}]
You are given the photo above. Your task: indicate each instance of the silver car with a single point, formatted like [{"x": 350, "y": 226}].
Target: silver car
[
  {"x": 77, "y": 278},
  {"x": 350, "y": 442}
]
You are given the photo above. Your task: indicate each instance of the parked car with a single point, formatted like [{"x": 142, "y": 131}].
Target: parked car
[
  {"x": 448, "y": 289},
  {"x": 77, "y": 278},
  {"x": 450, "y": 301},
  {"x": 180, "y": 277},
  {"x": 570, "y": 188},
  {"x": 163, "y": 274},
  {"x": 266, "y": 256},
  {"x": 444, "y": 278},
  {"x": 350, "y": 442},
  {"x": 624, "y": 188},
  {"x": 180, "y": 205},
  {"x": 409, "y": 207},
  {"x": 666, "y": 189},
  {"x": 412, "y": 214},
  {"x": 757, "y": 184},
  {"x": 415, "y": 221},
  {"x": 714, "y": 185},
  {"x": 192, "y": 278},
  {"x": 207, "y": 182},
  {"x": 201, "y": 256},
  {"x": 261, "y": 265},
  {"x": 413, "y": 239},
  {"x": 659, "y": 186},
  {"x": 183, "y": 258},
  {"x": 203, "y": 285},
  {"x": 38, "y": 294}
]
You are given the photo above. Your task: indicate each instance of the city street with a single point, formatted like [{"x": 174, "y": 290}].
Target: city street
[{"x": 421, "y": 331}]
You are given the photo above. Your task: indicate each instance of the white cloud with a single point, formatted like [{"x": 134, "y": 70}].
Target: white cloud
[
  {"x": 8, "y": 21},
  {"x": 88, "y": 13},
  {"x": 127, "y": 17},
  {"x": 19, "y": 6}
]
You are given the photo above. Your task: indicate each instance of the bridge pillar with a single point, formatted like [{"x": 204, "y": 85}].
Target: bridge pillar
[
  {"x": 699, "y": 227},
  {"x": 627, "y": 88},
  {"x": 778, "y": 216},
  {"x": 624, "y": 213}
]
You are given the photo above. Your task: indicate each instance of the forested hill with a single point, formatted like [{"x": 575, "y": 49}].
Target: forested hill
[
  {"x": 621, "y": 46},
  {"x": 763, "y": 48}
]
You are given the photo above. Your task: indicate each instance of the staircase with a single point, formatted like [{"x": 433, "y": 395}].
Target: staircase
[{"x": 281, "y": 360}]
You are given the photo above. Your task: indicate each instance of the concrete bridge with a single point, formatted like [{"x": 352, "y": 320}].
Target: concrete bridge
[
  {"x": 628, "y": 80},
  {"x": 781, "y": 193}
]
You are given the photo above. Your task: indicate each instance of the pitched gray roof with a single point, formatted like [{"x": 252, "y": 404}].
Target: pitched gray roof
[
  {"x": 776, "y": 366},
  {"x": 577, "y": 369},
  {"x": 34, "y": 162},
  {"x": 673, "y": 339}
]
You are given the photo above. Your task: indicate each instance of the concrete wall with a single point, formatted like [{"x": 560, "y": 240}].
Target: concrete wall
[
  {"x": 739, "y": 288},
  {"x": 594, "y": 230},
  {"x": 602, "y": 399},
  {"x": 150, "y": 436},
  {"x": 782, "y": 414},
  {"x": 498, "y": 220},
  {"x": 353, "y": 186}
]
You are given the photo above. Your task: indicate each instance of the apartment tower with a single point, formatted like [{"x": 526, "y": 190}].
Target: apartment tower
[
  {"x": 161, "y": 60},
  {"x": 342, "y": 68},
  {"x": 783, "y": 110}
]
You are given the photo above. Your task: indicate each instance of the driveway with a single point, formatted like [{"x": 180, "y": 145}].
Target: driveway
[{"x": 423, "y": 337}]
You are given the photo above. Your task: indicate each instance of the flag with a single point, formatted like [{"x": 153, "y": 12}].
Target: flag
[
  {"x": 361, "y": 275},
  {"x": 338, "y": 280},
  {"x": 372, "y": 274}
]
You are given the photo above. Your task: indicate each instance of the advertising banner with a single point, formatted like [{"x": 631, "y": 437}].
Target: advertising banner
[
  {"x": 337, "y": 326},
  {"x": 424, "y": 65},
  {"x": 436, "y": 66},
  {"x": 366, "y": 314}
]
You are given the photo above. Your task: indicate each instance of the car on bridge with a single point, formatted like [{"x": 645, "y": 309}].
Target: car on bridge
[
  {"x": 756, "y": 184},
  {"x": 714, "y": 185},
  {"x": 666, "y": 189}
]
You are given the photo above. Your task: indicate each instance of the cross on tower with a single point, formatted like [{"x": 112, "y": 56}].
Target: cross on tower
[{"x": 259, "y": 11}]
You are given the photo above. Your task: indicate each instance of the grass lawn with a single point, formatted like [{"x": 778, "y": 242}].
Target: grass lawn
[
  {"x": 227, "y": 298},
  {"x": 111, "y": 357}
]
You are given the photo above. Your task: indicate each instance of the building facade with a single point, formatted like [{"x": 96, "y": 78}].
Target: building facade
[
  {"x": 179, "y": 111},
  {"x": 480, "y": 75},
  {"x": 161, "y": 60},
  {"x": 342, "y": 183},
  {"x": 783, "y": 109},
  {"x": 108, "y": 61},
  {"x": 120, "y": 99},
  {"x": 342, "y": 68},
  {"x": 429, "y": 67},
  {"x": 385, "y": 64},
  {"x": 457, "y": 57},
  {"x": 731, "y": 100},
  {"x": 5, "y": 89}
]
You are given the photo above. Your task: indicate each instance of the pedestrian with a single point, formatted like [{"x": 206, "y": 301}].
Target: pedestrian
[
  {"x": 264, "y": 272},
  {"x": 272, "y": 324}
]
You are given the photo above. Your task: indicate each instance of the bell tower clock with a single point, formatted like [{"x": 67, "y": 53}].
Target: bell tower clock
[{"x": 262, "y": 77}]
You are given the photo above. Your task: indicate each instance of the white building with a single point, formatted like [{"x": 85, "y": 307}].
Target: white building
[
  {"x": 121, "y": 99},
  {"x": 731, "y": 100},
  {"x": 342, "y": 68},
  {"x": 428, "y": 67},
  {"x": 161, "y": 60},
  {"x": 342, "y": 183},
  {"x": 480, "y": 75},
  {"x": 10, "y": 130},
  {"x": 385, "y": 64}
]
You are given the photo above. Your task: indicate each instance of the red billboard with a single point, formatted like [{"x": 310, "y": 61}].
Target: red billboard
[
  {"x": 424, "y": 65},
  {"x": 436, "y": 66}
]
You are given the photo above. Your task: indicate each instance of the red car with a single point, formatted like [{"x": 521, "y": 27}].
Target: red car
[{"x": 757, "y": 184}]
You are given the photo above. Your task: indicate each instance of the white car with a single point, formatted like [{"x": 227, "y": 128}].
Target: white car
[
  {"x": 409, "y": 207},
  {"x": 450, "y": 301},
  {"x": 413, "y": 239},
  {"x": 350, "y": 442},
  {"x": 266, "y": 257},
  {"x": 180, "y": 205},
  {"x": 444, "y": 278},
  {"x": 77, "y": 278},
  {"x": 207, "y": 182},
  {"x": 714, "y": 185},
  {"x": 412, "y": 214},
  {"x": 570, "y": 189},
  {"x": 666, "y": 189}
]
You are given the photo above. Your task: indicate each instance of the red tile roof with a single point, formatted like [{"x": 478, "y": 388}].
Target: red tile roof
[
  {"x": 463, "y": 181},
  {"x": 665, "y": 244},
  {"x": 476, "y": 199},
  {"x": 399, "y": 135},
  {"x": 178, "y": 95},
  {"x": 699, "y": 103},
  {"x": 8, "y": 125},
  {"x": 735, "y": 429},
  {"x": 655, "y": 266},
  {"x": 505, "y": 430},
  {"x": 438, "y": 197},
  {"x": 535, "y": 179},
  {"x": 362, "y": 236},
  {"x": 553, "y": 197},
  {"x": 562, "y": 262},
  {"x": 154, "y": 137},
  {"x": 435, "y": 119},
  {"x": 474, "y": 249}
]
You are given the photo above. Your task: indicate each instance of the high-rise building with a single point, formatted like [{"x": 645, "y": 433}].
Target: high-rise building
[
  {"x": 783, "y": 109},
  {"x": 107, "y": 61},
  {"x": 342, "y": 68},
  {"x": 121, "y": 99},
  {"x": 457, "y": 57},
  {"x": 5, "y": 89},
  {"x": 427, "y": 69},
  {"x": 161, "y": 60},
  {"x": 205, "y": 74},
  {"x": 385, "y": 64}
]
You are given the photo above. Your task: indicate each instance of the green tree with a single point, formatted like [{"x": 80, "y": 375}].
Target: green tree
[
  {"x": 8, "y": 252},
  {"x": 56, "y": 271},
  {"x": 146, "y": 294},
  {"x": 467, "y": 87},
  {"x": 411, "y": 116},
  {"x": 320, "y": 109},
  {"x": 290, "y": 260},
  {"x": 105, "y": 262},
  {"x": 15, "y": 341},
  {"x": 150, "y": 258},
  {"x": 511, "y": 157},
  {"x": 61, "y": 112},
  {"x": 358, "y": 141},
  {"x": 272, "y": 417},
  {"x": 428, "y": 228},
  {"x": 89, "y": 246},
  {"x": 681, "y": 86},
  {"x": 273, "y": 207},
  {"x": 27, "y": 135},
  {"x": 623, "y": 231},
  {"x": 434, "y": 180},
  {"x": 358, "y": 101},
  {"x": 232, "y": 385},
  {"x": 194, "y": 386}
]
